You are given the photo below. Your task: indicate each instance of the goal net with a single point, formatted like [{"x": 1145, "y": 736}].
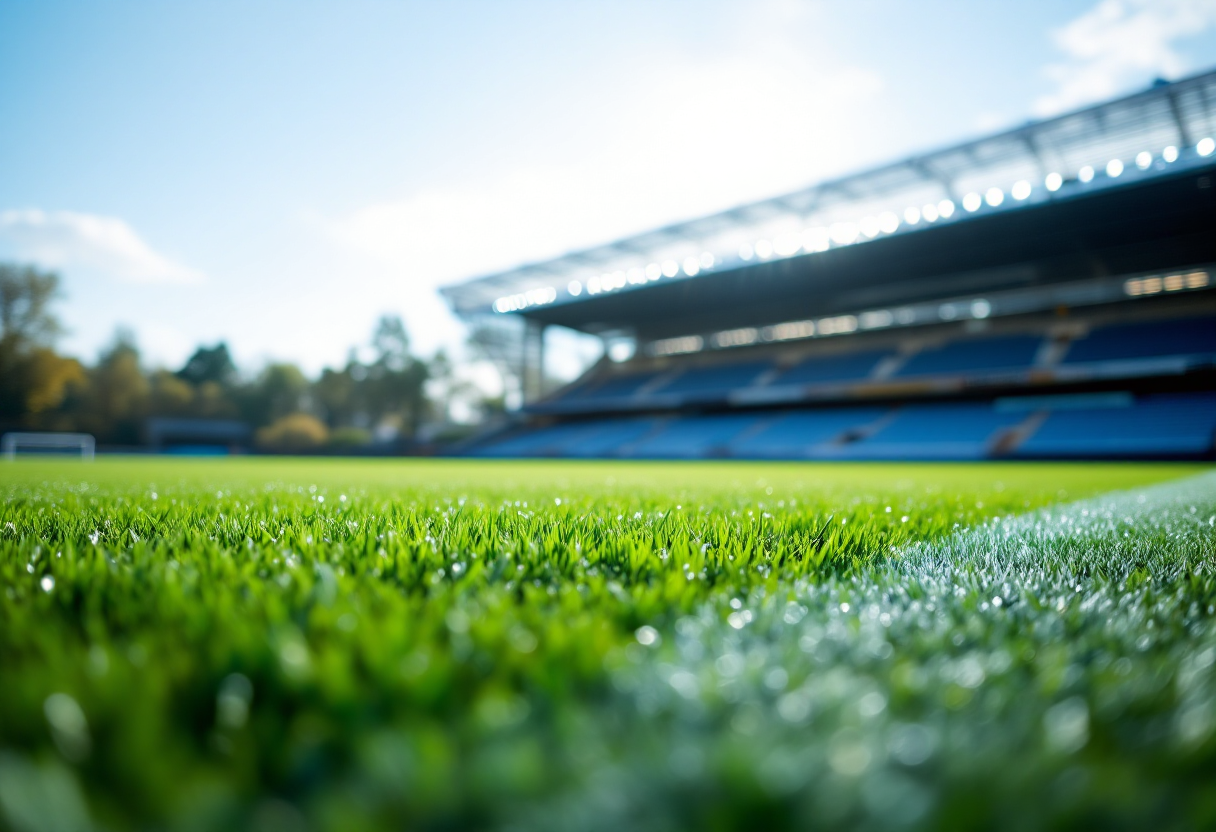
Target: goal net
[{"x": 47, "y": 443}]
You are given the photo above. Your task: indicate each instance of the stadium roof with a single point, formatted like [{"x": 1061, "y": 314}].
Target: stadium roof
[{"x": 1156, "y": 133}]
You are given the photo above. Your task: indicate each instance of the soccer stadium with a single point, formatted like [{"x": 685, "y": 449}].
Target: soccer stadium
[
  {"x": 888, "y": 504},
  {"x": 1042, "y": 293}
]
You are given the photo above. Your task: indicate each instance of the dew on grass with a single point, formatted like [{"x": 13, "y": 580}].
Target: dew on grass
[
  {"x": 1066, "y": 725},
  {"x": 293, "y": 655},
  {"x": 648, "y": 636},
  {"x": 232, "y": 701},
  {"x": 912, "y": 744},
  {"x": 69, "y": 728}
]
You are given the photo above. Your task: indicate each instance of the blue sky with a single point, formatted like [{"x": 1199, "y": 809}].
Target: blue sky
[{"x": 279, "y": 174}]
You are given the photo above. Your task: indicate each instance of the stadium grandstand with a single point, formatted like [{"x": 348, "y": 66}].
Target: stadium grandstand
[{"x": 1045, "y": 292}]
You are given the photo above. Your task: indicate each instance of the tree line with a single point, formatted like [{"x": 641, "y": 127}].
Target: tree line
[{"x": 387, "y": 398}]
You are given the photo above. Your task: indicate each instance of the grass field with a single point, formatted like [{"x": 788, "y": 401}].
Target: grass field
[{"x": 316, "y": 644}]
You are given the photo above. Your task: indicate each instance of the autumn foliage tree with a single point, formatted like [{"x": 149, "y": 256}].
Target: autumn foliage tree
[{"x": 34, "y": 379}]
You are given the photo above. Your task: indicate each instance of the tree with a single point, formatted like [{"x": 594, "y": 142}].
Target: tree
[
  {"x": 33, "y": 378},
  {"x": 280, "y": 390},
  {"x": 337, "y": 394},
  {"x": 118, "y": 396},
  {"x": 209, "y": 364},
  {"x": 171, "y": 396},
  {"x": 293, "y": 432},
  {"x": 396, "y": 381},
  {"x": 51, "y": 376},
  {"x": 391, "y": 343},
  {"x": 25, "y": 297}
]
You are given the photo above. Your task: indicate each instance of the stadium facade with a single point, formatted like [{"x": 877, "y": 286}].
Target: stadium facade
[{"x": 1045, "y": 292}]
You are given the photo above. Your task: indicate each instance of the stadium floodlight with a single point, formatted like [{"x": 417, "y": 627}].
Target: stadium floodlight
[
  {"x": 541, "y": 296},
  {"x": 692, "y": 266},
  {"x": 838, "y": 325},
  {"x": 653, "y": 271},
  {"x": 48, "y": 442},
  {"x": 994, "y": 197},
  {"x": 788, "y": 331},
  {"x": 844, "y": 233},
  {"x": 746, "y": 252},
  {"x": 593, "y": 285},
  {"x": 1086, "y": 174},
  {"x": 1114, "y": 168},
  {"x": 1144, "y": 159},
  {"x": 929, "y": 212},
  {"x": 980, "y": 308},
  {"x": 670, "y": 268},
  {"x": 945, "y": 209},
  {"x": 972, "y": 202},
  {"x": 911, "y": 215},
  {"x": 870, "y": 227},
  {"x": 764, "y": 249},
  {"x": 707, "y": 260},
  {"x": 1020, "y": 190},
  {"x": 877, "y": 319},
  {"x": 787, "y": 245},
  {"x": 620, "y": 351},
  {"x": 888, "y": 222},
  {"x": 522, "y": 300},
  {"x": 637, "y": 276},
  {"x": 1170, "y": 154},
  {"x": 677, "y": 346},
  {"x": 816, "y": 239},
  {"x": 1053, "y": 181},
  {"x": 1206, "y": 146},
  {"x": 574, "y": 288}
]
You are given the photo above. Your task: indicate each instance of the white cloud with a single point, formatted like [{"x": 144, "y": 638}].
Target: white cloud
[
  {"x": 65, "y": 239},
  {"x": 690, "y": 136},
  {"x": 1117, "y": 43}
]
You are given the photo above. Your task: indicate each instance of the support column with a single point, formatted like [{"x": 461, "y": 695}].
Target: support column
[{"x": 532, "y": 363}]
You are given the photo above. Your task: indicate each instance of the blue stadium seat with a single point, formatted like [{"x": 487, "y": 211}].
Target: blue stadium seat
[
  {"x": 547, "y": 441},
  {"x": 606, "y": 438},
  {"x": 613, "y": 387},
  {"x": 974, "y": 355},
  {"x": 961, "y": 430},
  {"x": 603, "y": 437},
  {"x": 1161, "y": 425},
  {"x": 829, "y": 369},
  {"x": 694, "y": 437},
  {"x": 795, "y": 434},
  {"x": 704, "y": 382},
  {"x": 1187, "y": 336}
]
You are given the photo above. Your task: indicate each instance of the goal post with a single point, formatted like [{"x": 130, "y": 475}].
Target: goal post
[{"x": 12, "y": 442}]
